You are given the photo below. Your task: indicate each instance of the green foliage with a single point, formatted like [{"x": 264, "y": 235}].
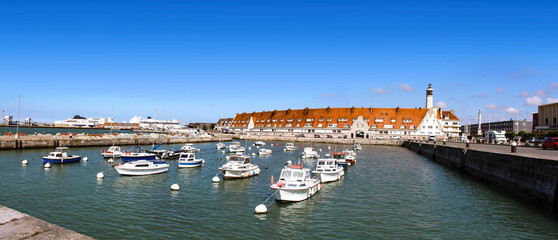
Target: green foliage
[
  {"x": 510, "y": 135},
  {"x": 552, "y": 134},
  {"x": 522, "y": 133}
]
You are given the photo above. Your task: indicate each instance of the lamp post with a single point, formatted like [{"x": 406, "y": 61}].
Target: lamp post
[{"x": 17, "y": 123}]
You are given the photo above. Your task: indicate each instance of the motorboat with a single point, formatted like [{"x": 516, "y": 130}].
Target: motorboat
[
  {"x": 290, "y": 147},
  {"x": 264, "y": 151},
  {"x": 328, "y": 170},
  {"x": 137, "y": 153},
  {"x": 236, "y": 147},
  {"x": 189, "y": 148},
  {"x": 350, "y": 157},
  {"x": 341, "y": 160},
  {"x": 112, "y": 152},
  {"x": 169, "y": 154},
  {"x": 60, "y": 155},
  {"x": 239, "y": 166},
  {"x": 189, "y": 160},
  {"x": 357, "y": 146},
  {"x": 221, "y": 145},
  {"x": 259, "y": 143},
  {"x": 141, "y": 167},
  {"x": 295, "y": 184},
  {"x": 309, "y": 152}
]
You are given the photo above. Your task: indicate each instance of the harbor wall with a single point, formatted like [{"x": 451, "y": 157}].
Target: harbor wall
[
  {"x": 531, "y": 178},
  {"x": 30, "y": 142}
]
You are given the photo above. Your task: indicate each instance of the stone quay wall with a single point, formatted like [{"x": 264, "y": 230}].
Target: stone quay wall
[{"x": 531, "y": 178}]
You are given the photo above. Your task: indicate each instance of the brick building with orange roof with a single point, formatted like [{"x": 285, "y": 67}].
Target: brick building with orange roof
[{"x": 353, "y": 122}]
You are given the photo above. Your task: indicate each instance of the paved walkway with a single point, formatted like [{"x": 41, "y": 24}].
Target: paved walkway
[
  {"x": 17, "y": 225},
  {"x": 535, "y": 152}
]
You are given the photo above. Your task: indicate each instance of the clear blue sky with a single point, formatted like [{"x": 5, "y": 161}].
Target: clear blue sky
[{"x": 202, "y": 60}]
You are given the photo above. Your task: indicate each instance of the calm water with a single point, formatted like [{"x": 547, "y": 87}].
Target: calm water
[
  {"x": 58, "y": 130},
  {"x": 390, "y": 193}
]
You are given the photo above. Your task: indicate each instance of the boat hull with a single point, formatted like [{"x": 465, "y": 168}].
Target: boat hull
[
  {"x": 111, "y": 155},
  {"x": 243, "y": 173},
  {"x": 136, "y": 158},
  {"x": 190, "y": 164},
  {"x": 296, "y": 195},
  {"x": 140, "y": 171},
  {"x": 63, "y": 160},
  {"x": 330, "y": 176}
]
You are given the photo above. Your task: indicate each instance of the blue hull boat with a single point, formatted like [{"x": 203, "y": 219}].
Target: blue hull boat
[
  {"x": 130, "y": 158},
  {"x": 61, "y": 160}
]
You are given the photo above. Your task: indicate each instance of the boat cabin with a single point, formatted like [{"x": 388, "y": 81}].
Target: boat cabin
[
  {"x": 339, "y": 156},
  {"x": 326, "y": 165},
  {"x": 136, "y": 150},
  {"x": 187, "y": 156},
  {"x": 239, "y": 159},
  {"x": 294, "y": 173},
  {"x": 114, "y": 149}
]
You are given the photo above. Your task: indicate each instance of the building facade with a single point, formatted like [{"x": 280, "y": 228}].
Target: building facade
[
  {"x": 515, "y": 126},
  {"x": 547, "y": 118},
  {"x": 224, "y": 124},
  {"x": 353, "y": 122}
]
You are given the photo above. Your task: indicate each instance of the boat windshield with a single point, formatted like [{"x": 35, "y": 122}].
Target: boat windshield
[
  {"x": 286, "y": 174},
  {"x": 339, "y": 156},
  {"x": 298, "y": 174}
]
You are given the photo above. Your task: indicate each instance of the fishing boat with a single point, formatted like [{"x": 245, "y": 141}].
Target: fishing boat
[
  {"x": 290, "y": 147},
  {"x": 264, "y": 151},
  {"x": 350, "y": 157},
  {"x": 60, "y": 155},
  {"x": 239, "y": 166},
  {"x": 112, "y": 152},
  {"x": 141, "y": 167},
  {"x": 187, "y": 160},
  {"x": 309, "y": 152},
  {"x": 357, "y": 146},
  {"x": 169, "y": 154},
  {"x": 137, "y": 153},
  {"x": 295, "y": 184},
  {"x": 341, "y": 161},
  {"x": 221, "y": 145},
  {"x": 259, "y": 143},
  {"x": 236, "y": 147},
  {"x": 189, "y": 148},
  {"x": 328, "y": 170}
]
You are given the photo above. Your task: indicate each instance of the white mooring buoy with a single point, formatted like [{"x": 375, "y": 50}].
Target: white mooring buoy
[
  {"x": 249, "y": 148},
  {"x": 100, "y": 175},
  {"x": 215, "y": 179},
  {"x": 24, "y": 162},
  {"x": 223, "y": 152},
  {"x": 289, "y": 162},
  {"x": 253, "y": 154},
  {"x": 320, "y": 149},
  {"x": 110, "y": 160},
  {"x": 85, "y": 159},
  {"x": 47, "y": 165},
  {"x": 261, "y": 209},
  {"x": 175, "y": 187},
  {"x": 284, "y": 149}
]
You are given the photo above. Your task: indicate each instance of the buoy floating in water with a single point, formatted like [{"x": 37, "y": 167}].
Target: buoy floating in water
[
  {"x": 24, "y": 162},
  {"x": 47, "y": 165},
  {"x": 85, "y": 159},
  {"x": 253, "y": 154},
  {"x": 215, "y": 179},
  {"x": 289, "y": 162},
  {"x": 100, "y": 175},
  {"x": 284, "y": 149},
  {"x": 110, "y": 160},
  {"x": 249, "y": 148},
  {"x": 320, "y": 149},
  {"x": 223, "y": 151},
  {"x": 261, "y": 209},
  {"x": 175, "y": 187}
]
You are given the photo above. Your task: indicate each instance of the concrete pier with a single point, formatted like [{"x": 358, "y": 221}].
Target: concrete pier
[
  {"x": 532, "y": 177},
  {"x": 17, "y": 225}
]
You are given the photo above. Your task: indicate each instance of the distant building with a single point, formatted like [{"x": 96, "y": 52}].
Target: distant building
[
  {"x": 224, "y": 124},
  {"x": 9, "y": 120},
  {"x": 79, "y": 121},
  {"x": 547, "y": 118},
  {"x": 515, "y": 126},
  {"x": 202, "y": 126},
  {"x": 353, "y": 122}
]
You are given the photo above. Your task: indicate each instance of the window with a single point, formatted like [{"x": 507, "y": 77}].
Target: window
[
  {"x": 290, "y": 120},
  {"x": 412, "y": 127},
  {"x": 332, "y": 125},
  {"x": 329, "y": 119},
  {"x": 388, "y": 126},
  {"x": 366, "y": 120},
  {"x": 282, "y": 119},
  {"x": 354, "y": 119},
  {"x": 288, "y": 125},
  {"x": 341, "y": 119},
  {"x": 379, "y": 120},
  {"x": 308, "y": 125},
  {"x": 393, "y": 120},
  {"x": 298, "y": 125},
  {"x": 319, "y": 125},
  {"x": 300, "y": 119},
  {"x": 402, "y": 127},
  {"x": 309, "y": 119},
  {"x": 374, "y": 126},
  {"x": 321, "y": 119},
  {"x": 407, "y": 120},
  {"x": 430, "y": 127},
  {"x": 268, "y": 125},
  {"x": 274, "y": 120}
]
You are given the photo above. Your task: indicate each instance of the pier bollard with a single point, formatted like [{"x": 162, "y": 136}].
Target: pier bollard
[
  {"x": 444, "y": 141},
  {"x": 467, "y": 143},
  {"x": 514, "y": 147}
]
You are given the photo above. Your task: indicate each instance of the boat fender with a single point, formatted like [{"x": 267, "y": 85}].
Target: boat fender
[{"x": 280, "y": 184}]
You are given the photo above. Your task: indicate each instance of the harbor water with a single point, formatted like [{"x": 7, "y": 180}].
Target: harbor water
[{"x": 390, "y": 193}]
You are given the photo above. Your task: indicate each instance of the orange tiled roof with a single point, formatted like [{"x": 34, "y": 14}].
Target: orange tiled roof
[
  {"x": 343, "y": 117},
  {"x": 450, "y": 115}
]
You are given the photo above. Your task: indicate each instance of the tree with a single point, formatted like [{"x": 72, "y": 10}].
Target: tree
[{"x": 522, "y": 133}]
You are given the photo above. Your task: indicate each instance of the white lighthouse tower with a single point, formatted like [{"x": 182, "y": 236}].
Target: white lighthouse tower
[
  {"x": 429, "y": 97},
  {"x": 479, "y": 130}
]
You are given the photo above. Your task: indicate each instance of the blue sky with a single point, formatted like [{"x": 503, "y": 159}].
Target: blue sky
[{"x": 202, "y": 60}]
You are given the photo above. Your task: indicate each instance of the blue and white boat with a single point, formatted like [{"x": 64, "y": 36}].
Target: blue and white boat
[
  {"x": 137, "y": 153},
  {"x": 60, "y": 156},
  {"x": 189, "y": 160},
  {"x": 341, "y": 159}
]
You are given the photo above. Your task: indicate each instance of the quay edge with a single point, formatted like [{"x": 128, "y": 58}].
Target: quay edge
[{"x": 531, "y": 178}]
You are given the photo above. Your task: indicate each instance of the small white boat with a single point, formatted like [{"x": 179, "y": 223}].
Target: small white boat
[
  {"x": 221, "y": 145},
  {"x": 259, "y": 143},
  {"x": 357, "y": 146},
  {"x": 189, "y": 160},
  {"x": 60, "y": 155},
  {"x": 290, "y": 147},
  {"x": 112, "y": 152},
  {"x": 236, "y": 147},
  {"x": 328, "y": 170},
  {"x": 239, "y": 166},
  {"x": 310, "y": 152},
  {"x": 350, "y": 157},
  {"x": 142, "y": 167},
  {"x": 189, "y": 148},
  {"x": 136, "y": 154},
  {"x": 264, "y": 151},
  {"x": 295, "y": 184}
]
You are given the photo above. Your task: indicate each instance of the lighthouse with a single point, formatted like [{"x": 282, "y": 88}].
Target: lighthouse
[
  {"x": 429, "y": 97},
  {"x": 479, "y": 130}
]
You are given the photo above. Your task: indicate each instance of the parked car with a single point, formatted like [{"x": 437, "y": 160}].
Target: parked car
[
  {"x": 317, "y": 136},
  {"x": 550, "y": 143},
  {"x": 395, "y": 137},
  {"x": 329, "y": 136},
  {"x": 380, "y": 138},
  {"x": 300, "y": 135},
  {"x": 432, "y": 138}
]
